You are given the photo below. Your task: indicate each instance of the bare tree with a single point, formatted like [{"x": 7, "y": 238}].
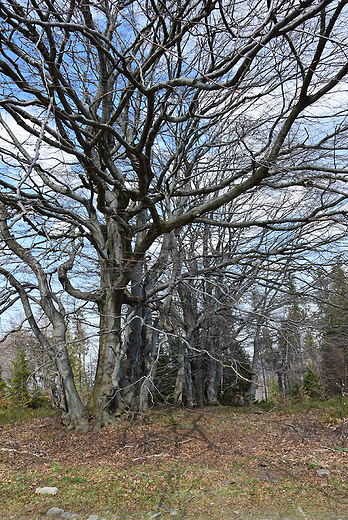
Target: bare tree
[{"x": 209, "y": 112}]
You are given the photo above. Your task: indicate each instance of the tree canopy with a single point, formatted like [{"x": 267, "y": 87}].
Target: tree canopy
[{"x": 130, "y": 130}]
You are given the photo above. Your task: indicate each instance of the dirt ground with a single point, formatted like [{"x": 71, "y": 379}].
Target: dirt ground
[{"x": 271, "y": 447}]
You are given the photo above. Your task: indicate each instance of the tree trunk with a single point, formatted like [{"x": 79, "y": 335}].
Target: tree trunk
[
  {"x": 280, "y": 382},
  {"x": 213, "y": 382},
  {"x": 180, "y": 377},
  {"x": 188, "y": 383},
  {"x": 76, "y": 415},
  {"x": 134, "y": 364},
  {"x": 250, "y": 394},
  {"x": 214, "y": 370},
  {"x": 150, "y": 358},
  {"x": 105, "y": 396},
  {"x": 197, "y": 379}
]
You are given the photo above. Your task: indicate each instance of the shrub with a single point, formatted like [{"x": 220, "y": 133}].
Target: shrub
[{"x": 311, "y": 385}]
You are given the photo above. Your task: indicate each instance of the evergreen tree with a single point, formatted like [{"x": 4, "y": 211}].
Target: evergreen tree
[
  {"x": 311, "y": 384},
  {"x": 19, "y": 380}
]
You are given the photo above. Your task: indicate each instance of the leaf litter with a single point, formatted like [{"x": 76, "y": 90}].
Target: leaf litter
[{"x": 201, "y": 463}]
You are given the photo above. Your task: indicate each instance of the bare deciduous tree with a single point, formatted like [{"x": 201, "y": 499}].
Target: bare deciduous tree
[{"x": 123, "y": 122}]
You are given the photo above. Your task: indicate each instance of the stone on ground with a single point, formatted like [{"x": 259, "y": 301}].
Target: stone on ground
[
  {"x": 47, "y": 490},
  {"x": 55, "y": 511}
]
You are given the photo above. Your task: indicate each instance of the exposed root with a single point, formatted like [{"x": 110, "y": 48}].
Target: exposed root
[
  {"x": 103, "y": 418},
  {"x": 76, "y": 423}
]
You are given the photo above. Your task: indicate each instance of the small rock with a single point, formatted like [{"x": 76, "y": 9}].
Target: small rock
[
  {"x": 174, "y": 512},
  {"x": 156, "y": 515},
  {"x": 67, "y": 514},
  {"x": 47, "y": 490},
  {"x": 323, "y": 472},
  {"x": 55, "y": 511},
  {"x": 300, "y": 510},
  {"x": 93, "y": 517}
]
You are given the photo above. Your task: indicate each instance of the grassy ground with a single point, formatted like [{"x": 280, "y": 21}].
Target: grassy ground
[
  {"x": 11, "y": 414},
  {"x": 203, "y": 464}
]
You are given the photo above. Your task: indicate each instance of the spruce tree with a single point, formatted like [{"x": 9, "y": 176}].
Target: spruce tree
[
  {"x": 311, "y": 384},
  {"x": 19, "y": 378}
]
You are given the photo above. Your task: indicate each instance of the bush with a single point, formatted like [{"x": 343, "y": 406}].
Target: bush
[
  {"x": 295, "y": 391},
  {"x": 17, "y": 414},
  {"x": 37, "y": 399},
  {"x": 311, "y": 385},
  {"x": 273, "y": 389}
]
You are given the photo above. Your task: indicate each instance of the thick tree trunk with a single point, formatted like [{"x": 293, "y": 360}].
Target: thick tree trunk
[
  {"x": 141, "y": 349},
  {"x": 105, "y": 396},
  {"x": 134, "y": 365},
  {"x": 197, "y": 379},
  {"x": 75, "y": 415},
  {"x": 213, "y": 382}
]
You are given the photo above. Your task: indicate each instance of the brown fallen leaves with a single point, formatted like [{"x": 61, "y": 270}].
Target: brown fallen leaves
[
  {"x": 269, "y": 446},
  {"x": 212, "y": 436}
]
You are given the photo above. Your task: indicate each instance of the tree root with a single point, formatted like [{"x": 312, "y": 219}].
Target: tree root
[
  {"x": 103, "y": 418},
  {"x": 76, "y": 423}
]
